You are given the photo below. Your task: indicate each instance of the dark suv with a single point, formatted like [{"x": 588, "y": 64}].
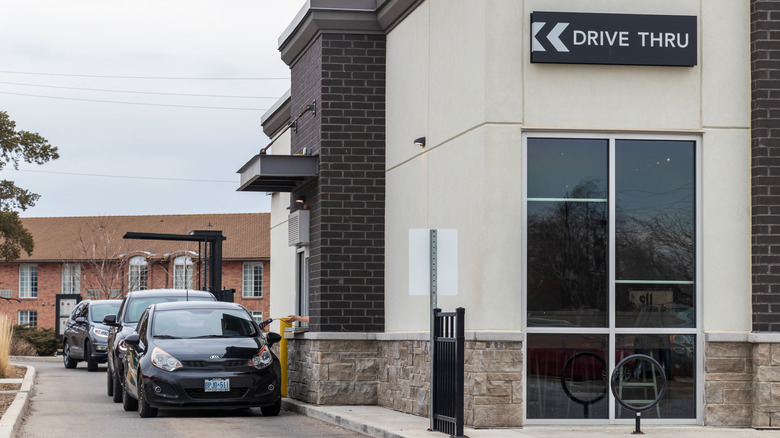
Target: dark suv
[
  {"x": 125, "y": 321},
  {"x": 85, "y": 334}
]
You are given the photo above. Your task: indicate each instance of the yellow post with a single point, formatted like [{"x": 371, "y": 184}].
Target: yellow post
[{"x": 283, "y": 326}]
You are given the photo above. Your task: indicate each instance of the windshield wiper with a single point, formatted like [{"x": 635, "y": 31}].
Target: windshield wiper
[
  {"x": 208, "y": 336},
  {"x": 166, "y": 337}
]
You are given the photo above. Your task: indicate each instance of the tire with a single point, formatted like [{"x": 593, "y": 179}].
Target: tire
[
  {"x": 66, "y": 359},
  {"x": 109, "y": 383},
  {"x": 128, "y": 402},
  {"x": 91, "y": 364},
  {"x": 144, "y": 410},
  {"x": 117, "y": 387},
  {"x": 273, "y": 410}
]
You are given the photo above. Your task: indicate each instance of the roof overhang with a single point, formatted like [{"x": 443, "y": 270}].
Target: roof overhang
[{"x": 277, "y": 173}]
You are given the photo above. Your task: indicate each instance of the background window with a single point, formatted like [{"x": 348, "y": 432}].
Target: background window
[
  {"x": 182, "y": 272},
  {"x": 71, "y": 278},
  {"x": 253, "y": 280},
  {"x": 28, "y": 318},
  {"x": 139, "y": 271},
  {"x": 257, "y": 315},
  {"x": 28, "y": 281}
]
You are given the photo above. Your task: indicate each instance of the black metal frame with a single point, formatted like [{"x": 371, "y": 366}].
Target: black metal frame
[{"x": 448, "y": 371}]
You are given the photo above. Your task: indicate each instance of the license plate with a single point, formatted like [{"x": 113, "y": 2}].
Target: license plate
[{"x": 216, "y": 385}]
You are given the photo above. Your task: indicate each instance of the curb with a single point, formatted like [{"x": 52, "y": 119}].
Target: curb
[
  {"x": 338, "y": 420},
  {"x": 12, "y": 418}
]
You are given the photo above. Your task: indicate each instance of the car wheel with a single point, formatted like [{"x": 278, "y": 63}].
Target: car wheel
[
  {"x": 66, "y": 359},
  {"x": 144, "y": 410},
  {"x": 91, "y": 364},
  {"x": 273, "y": 410},
  {"x": 128, "y": 402},
  {"x": 117, "y": 387},
  {"x": 109, "y": 383}
]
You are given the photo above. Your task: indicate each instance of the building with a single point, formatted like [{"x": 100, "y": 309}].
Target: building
[
  {"x": 88, "y": 257},
  {"x": 610, "y": 168}
]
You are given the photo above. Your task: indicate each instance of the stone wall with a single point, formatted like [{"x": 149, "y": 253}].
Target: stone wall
[
  {"x": 728, "y": 386},
  {"x": 766, "y": 386},
  {"x": 393, "y": 371}
]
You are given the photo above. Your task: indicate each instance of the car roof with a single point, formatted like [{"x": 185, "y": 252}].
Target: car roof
[
  {"x": 169, "y": 293},
  {"x": 181, "y": 305},
  {"x": 90, "y": 302}
]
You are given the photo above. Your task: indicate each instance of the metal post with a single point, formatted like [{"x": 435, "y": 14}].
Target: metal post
[
  {"x": 460, "y": 345},
  {"x": 432, "y": 347},
  {"x": 283, "y": 326}
]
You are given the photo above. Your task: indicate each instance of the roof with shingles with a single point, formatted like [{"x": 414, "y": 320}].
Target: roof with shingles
[{"x": 66, "y": 238}]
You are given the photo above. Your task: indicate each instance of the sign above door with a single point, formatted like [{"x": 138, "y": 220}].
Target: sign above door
[{"x": 617, "y": 39}]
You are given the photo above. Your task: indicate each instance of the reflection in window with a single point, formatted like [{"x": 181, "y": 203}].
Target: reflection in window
[
  {"x": 677, "y": 356},
  {"x": 567, "y": 232},
  {"x": 566, "y": 376}
]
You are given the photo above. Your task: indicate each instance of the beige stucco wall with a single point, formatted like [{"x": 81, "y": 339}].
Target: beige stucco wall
[
  {"x": 459, "y": 73},
  {"x": 282, "y": 256}
]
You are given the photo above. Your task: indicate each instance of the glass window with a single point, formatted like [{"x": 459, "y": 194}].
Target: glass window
[
  {"x": 203, "y": 323},
  {"x": 182, "y": 272},
  {"x": 610, "y": 232},
  {"x": 253, "y": 280},
  {"x": 257, "y": 315},
  {"x": 567, "y": 232},
  {"x": 28, "y": 281},
  {"x": 100, "y": 310},
  {"x": 71, "y": 278},
  {"x": 28, "y": 318},
  {"x": 139, "y": 271}
]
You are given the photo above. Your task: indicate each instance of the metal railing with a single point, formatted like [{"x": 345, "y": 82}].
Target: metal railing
[{"x": 448, "y": 371}]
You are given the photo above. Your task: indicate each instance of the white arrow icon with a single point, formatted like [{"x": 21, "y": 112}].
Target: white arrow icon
[{"x": 554, "y": 37}]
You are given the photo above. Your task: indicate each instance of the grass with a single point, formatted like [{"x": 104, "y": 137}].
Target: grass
[{"x": 6, "y": 336}]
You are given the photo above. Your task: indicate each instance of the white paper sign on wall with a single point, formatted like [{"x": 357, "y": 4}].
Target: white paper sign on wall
[{"x": 420, "y": 261}]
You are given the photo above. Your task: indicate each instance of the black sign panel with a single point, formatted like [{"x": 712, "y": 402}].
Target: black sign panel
[{"x": 579, "y": 38}]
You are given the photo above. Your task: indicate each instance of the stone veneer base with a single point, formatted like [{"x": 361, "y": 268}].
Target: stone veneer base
[{"x": 392, "y": 370}]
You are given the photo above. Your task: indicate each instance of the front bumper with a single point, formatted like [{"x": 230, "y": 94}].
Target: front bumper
[{"x": 184, "y": 388}]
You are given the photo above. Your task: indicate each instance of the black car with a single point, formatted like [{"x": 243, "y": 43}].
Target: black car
[
  {"x": 85, "y": 334},
  {"x": 124, "y": 322},
  {"x": 200, "y": 355}
]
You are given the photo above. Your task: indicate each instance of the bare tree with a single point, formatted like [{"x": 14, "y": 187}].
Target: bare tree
[{"x": 104, "y": 256}]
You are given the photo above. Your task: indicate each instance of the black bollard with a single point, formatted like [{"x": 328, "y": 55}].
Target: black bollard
[{"x": 638, "y": 429}]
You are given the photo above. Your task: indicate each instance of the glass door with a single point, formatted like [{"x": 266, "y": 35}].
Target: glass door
[{"x": 610, "y": 271}]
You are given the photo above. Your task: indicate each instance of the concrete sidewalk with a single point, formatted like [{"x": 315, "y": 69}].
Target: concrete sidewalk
[{"x": 381, "y": 422}]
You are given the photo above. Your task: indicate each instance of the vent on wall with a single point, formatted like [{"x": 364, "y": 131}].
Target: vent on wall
[{"x": 298, "y": 228}]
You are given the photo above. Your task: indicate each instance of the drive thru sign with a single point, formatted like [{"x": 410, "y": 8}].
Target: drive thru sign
[{"x": 625, "y": 39}]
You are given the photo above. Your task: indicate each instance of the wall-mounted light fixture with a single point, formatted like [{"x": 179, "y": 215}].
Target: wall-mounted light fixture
[{"x": 420, "y": 142}]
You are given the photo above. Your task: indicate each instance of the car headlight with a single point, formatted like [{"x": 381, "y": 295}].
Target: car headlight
[
  {"x": 164, "y": 361},
  {"x": 100, "y": 332},
  {"x": 262, "y": 359}
]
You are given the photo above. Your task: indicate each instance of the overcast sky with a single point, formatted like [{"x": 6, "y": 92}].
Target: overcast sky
[{"x": 169, "y": 153}]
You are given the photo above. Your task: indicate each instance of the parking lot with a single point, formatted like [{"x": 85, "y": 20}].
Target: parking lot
[{"x": 73, "y": 402}]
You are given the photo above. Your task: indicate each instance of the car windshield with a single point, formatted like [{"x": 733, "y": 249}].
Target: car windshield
[
  {"x": 137, "y": 306},
  {"x": 99, "y": 311},
  {"x": 202, "y": 323}
]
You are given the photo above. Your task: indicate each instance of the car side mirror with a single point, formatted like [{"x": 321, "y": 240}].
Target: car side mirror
[
  {"x": 110, "y": 320},
  {"x": 80, "y": 320},
  {"x": 272, "y": 338},
  {"x": 133, "y": 340}
]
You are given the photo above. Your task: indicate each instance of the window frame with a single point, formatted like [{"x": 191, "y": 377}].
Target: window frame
[
  {"x": 28, "y": 286},
  {"x": 29, "y": 314},
  {"x": 611, "y": 330},
  {"x": 179, "y": 263},
  {"x": 252, "y": 291},
  {"x": 73, "y": 284},
  {"x": 140, "y": 264}
]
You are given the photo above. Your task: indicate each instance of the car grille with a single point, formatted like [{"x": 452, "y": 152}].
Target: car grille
[
  {"x": 225, "y": 363},
  {"x": 200, "y": 393}
]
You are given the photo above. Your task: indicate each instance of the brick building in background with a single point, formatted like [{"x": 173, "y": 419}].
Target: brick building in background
[{"x": 88, "y": 256}]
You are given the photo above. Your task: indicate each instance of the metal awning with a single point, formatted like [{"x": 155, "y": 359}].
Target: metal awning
[{"x": 276, "y": 173}]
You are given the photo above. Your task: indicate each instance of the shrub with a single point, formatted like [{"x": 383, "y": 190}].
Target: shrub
[
  {"x": 6, "y": 333},
  {"x": 20, "y": 347},
  {"x": 43, "y": 340}
]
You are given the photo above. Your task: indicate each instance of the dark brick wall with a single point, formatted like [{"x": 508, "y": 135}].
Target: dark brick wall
[
  {"x": 765, "y": 162},
  {"x": 346, "y": 74}
]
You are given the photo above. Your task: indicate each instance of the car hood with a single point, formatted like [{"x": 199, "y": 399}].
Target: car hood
[{"x": 200, "y": 349}]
